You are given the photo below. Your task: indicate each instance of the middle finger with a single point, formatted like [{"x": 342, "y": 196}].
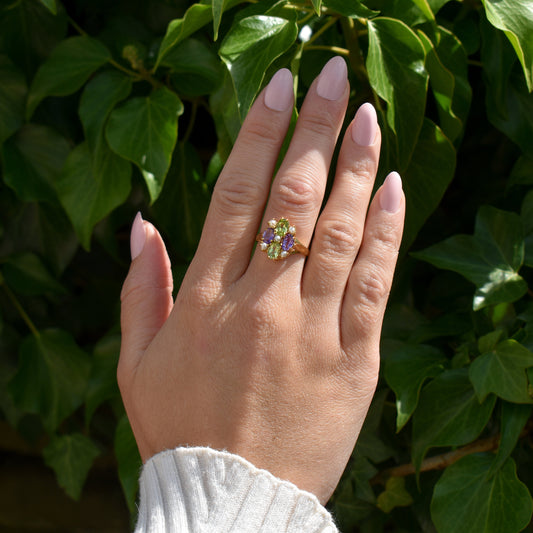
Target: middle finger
[{"x": 298, "y": 189}]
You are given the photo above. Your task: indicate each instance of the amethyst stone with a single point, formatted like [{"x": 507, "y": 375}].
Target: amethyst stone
[
  {"x": 268, "y": 235},
  {"x": 287, "y": 243}
]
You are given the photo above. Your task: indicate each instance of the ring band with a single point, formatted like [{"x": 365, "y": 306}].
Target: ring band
[{"x": 279, "y": 240}]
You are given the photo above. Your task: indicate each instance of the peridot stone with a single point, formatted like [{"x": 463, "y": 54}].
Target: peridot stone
[
  {"x": 282, "y": 227},
  {"x": 274, "y": 250}
]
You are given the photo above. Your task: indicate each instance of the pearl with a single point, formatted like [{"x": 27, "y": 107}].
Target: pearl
[
  {"x": 277, "y": 238},
  {"x": 272, "y": 223}
]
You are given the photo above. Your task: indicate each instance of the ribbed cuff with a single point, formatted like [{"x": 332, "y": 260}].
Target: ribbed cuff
[{"x": 201, "y": 490}]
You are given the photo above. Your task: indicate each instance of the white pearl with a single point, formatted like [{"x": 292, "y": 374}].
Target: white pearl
[
  {"x": 272, "y": 223},
  {"x": 284, "y": 254},
  {"x": 264, "y": 246},
  {"x": 277, "y": 238},
  {"x": 292, "y": 230}
]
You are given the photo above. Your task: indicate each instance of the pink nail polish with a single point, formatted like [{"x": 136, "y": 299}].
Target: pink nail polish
[
  {"x": 390, "y": 195},
  {"x": 137, "y": 237},
  {"x": 279, "y": 92},
  {"x": 332, "y": 80},
  {"x": 365, "y": 125}
]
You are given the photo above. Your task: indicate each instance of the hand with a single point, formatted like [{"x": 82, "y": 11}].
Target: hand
[{"x": 275, "y": 361}]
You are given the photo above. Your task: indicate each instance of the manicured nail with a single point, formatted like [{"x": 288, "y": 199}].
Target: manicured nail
[
  {"x": 279, "y": 92},
  {"x": 365, "y": 125},
  {"x": 391, "y": 193},
  {"x": 137, "y": 237},
  {"x": 332, "y": 79}
]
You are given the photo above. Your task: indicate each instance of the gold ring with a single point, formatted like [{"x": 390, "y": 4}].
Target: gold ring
[{"x": 279, "y": 240}]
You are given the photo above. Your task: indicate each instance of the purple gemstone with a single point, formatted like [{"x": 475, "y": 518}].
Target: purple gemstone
[
  {"x": 268, "y": 235},
  {"x": 287, "y": 243}
]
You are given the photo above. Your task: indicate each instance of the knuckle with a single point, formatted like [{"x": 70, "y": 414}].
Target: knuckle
[
  {"x": 340, "y": 237},
  {"x": 234, "y": 192},
  {"x": 261, "y": 133},
  {"x": 322, "y": 125},
  {"x": 363, "y": 169},
  {"x": 386, "y": 239},
  {"x": 297, "y": 193},
  {"x": 373, "y": 291}
]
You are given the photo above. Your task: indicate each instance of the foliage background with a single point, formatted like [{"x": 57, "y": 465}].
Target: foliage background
[{"x": 111, "y": 107}]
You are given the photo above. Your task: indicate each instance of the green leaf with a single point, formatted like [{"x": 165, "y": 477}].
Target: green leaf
[
  {"x": 13, "y": 91},
  {"x": 195, "y": 68},
  {"x": 522, "y": 173},
  {"x": 490, "y": 259},
  {"x": 433, "y": 154},
  {"x": 25, "y": 273},
  {"x": 514, "y": 418},
  {"x": 88, "y": 196},
  {"x": 195, "y": 17},
  {"x": 51, "y": 5},
  {"x": 71, "y": 457},
  {"x": 29, "y": 32},
  {"x": 144, "y": 130},
  {"x": 317, "y": 4},
  {"x": 129, "y": 461},
  {"x": 99, "y": 98},
  {"x": 509, "y": 104},
  {"x": 515, "y": 18},
  {"x": 103, "y": 380},
  {"x": 437, "y": 4},
  {"x": 502, "y": 371},
  {"x": 448, "y": 80},
  {"x": 218, "y": 7},
  {"x": 183, "y": 204},
  {"x": 223, "y": 105},
  {"x": 448, "y": 414},
  {"x": 467, "y": 500},
  {"x": 424, "y": 7},
  {"x": 249, "y": 48},
  {"x": 396, "y": 71},
  {"x": 526, "y": 215},
  {"x": 406, "y": 370},
  {"x": 52, "y": 377},
  {"x": 352, "y": 9},
  {"x": 394, "y": 495},
  {"x": 67, "y": 69},
  {"x": 32, "y": 160}
]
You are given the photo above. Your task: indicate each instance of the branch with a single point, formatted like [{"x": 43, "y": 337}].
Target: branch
[{"x": 440, "y": 462}]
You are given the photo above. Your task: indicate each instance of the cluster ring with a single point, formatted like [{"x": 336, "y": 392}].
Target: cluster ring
[{"x": 279, "y": 240}]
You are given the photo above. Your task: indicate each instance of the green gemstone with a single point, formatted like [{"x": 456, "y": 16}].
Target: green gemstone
[
  {"x": 282, "y": 227},
  {"x": 274, "y": 250}
]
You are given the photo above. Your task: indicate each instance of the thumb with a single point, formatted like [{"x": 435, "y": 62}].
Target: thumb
[{"x": 146, "y": 294}]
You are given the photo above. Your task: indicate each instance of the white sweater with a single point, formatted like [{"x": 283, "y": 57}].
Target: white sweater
[{"x": 200, "y": 490}]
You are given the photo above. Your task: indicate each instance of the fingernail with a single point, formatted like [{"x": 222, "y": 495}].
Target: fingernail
[
  {"x": 279, "y": 92},
  {"x": 332, "y": 79},
  {"x": 391, "y": 193},
  {"x": 365, "y": 125},
  {"x": 137, "y": 237}
]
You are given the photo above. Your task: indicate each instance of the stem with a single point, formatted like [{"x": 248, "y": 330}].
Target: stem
[
  {"x": 335, "y": 49},
  {"x": 442, "y": 461},
  {"x": 475, "y": 63},
  {"x": 316, "y": 35},
  {"x": 131, "y": 73},
  {"x": 21, "y": 311},
  {"x": 308, "y": 17},
  {"x": 190, "y": 126},
  {"x": 79, "y": 29}
]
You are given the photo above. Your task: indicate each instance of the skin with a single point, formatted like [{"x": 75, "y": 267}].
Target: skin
[{"x": 276, "y": 361}]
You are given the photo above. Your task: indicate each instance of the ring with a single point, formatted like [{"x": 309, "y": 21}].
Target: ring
[{"x": 279, "y": 240}]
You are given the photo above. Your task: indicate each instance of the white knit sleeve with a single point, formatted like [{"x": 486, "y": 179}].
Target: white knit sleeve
[{"x": 200, "y": 490}]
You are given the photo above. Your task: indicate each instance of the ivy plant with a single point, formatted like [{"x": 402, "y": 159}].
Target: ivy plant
[{"x": 108, "y": 108}]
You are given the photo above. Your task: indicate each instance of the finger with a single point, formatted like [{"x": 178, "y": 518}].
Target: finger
[
  {"x": 340, "y": 227},
  {"x": 242, "y": 188},
  {"x": 371, "y": 277},
  {"x": 298, "y": 188},
  {"x": 146, "y": 294}
]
